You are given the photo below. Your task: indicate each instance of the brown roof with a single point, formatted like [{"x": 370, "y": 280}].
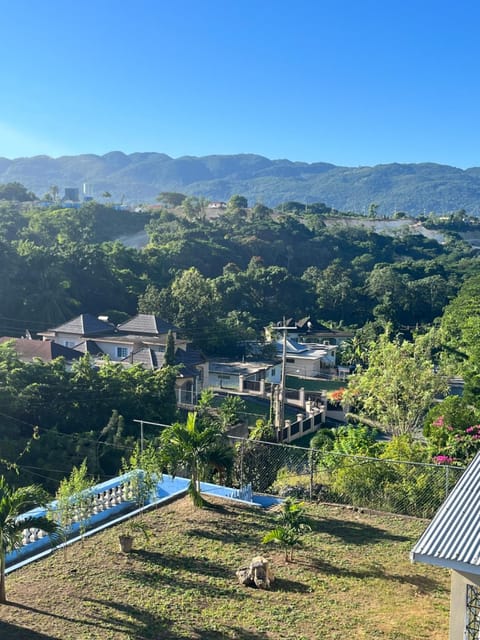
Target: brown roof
[{"x": 46, "y": 350}]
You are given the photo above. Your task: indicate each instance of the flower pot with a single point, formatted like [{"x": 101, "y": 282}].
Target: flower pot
[{"x": 126, "y": 543}]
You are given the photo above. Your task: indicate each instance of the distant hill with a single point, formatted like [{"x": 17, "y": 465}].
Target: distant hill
[{"x": 139, "y": 177}]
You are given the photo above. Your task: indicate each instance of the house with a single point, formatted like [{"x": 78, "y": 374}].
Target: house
[
  {"x": 192, "y": 369},
  {"x": 313, "y": 334},
  {"x": 242, "y": 376},
  {"x": 217, "y": 205},
  {"x": 452, "y": 540},
  {"x": 98, "y": 336},
  {"x": 308, "y": 330},
  {"x": 29, "y": 350},
  {"x": 140, "y": 340},
  {"x": 306, "y": 360}
]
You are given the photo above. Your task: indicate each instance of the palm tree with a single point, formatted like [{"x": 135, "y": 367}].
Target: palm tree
[
  {"x": 196, "y": 446},
  {"x": 14, "y": 502},
  {"x": 292, "y": 527}
]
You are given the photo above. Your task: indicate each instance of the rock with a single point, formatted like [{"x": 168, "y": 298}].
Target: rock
[
  {"x": 259, "y": 574},
  {"x": 243, "y": 576}
]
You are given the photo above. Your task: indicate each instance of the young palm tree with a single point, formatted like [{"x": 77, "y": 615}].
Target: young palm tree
[
  {"x": 14, "y": 502},
  {"x": 292, "y": 527},
  {"x": 194, "y": 445}
]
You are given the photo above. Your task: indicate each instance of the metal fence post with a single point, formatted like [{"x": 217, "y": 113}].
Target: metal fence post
[
  {"x": 241, "y": 463},
  {"x": 311, "y": 456}
]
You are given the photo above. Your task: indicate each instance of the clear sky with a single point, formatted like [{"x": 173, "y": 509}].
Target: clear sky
[{"x": 352, "y": 82}]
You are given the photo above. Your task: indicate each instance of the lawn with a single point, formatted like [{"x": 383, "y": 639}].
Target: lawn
[
  {"x": 314, "y": 384},
  {"x": 352, "y": 579}
]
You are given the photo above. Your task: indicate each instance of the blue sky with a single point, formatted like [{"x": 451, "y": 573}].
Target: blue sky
[{"x": 352, "y": 82}]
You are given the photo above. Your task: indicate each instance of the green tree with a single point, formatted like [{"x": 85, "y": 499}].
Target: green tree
[
  {"x": 230, "y": 411},
  {"x": 15, "y": 191},
  {"x": 193, "y": 207},
  {"x": 14, "y": 503},
  {"x": 459, "y": 336},
  {"x": 194, "y": 301},
  {"x": 169, "y": 357},
  {"x": 74, "y": 500},
  {"x": 54, "y": 192},
  {"x": 398, "y": 387},
  {"x": 171, "y": 198},
  {"x": 237, "y": 202}
]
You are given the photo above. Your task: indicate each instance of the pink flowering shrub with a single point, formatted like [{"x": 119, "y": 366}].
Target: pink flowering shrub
[
  {"x": 443, "y": 460},
  {"x": 452, "y": 431}
]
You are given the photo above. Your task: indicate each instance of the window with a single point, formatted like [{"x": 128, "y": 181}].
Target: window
[
  {"x": 472, "y": 627},
  {"x": 122, "y": 352},
  {"x": 69, "y": 343},
  {"x": 292, "y": 360}
]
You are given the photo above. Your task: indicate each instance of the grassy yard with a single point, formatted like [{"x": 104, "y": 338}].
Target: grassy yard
[
  {"x": 352, "y": 579},
  {"x": 314, "y": 384}
]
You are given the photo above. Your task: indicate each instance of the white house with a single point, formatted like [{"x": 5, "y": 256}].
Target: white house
[
  {"x": 242, "y": 376},
  {"x": 306, "y": 360},
  {"x": 309, "y": 331}
]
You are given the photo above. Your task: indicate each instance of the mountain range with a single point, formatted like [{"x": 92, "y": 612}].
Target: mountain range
[{"x": 139, "y": 177}]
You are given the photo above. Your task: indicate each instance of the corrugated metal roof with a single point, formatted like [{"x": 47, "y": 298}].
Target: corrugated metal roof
[{"x": 452, "y": 539}]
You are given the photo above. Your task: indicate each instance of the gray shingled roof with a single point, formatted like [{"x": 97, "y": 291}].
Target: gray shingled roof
[
  {"x": 89, "y": 346},
  {"x": 85, "y": 325},
  {"x": 146, "y": 323},
  {"x": 148, "y": 358},
  {"x": 452, "y": 539},
  {"x": 151, "y": 359}
]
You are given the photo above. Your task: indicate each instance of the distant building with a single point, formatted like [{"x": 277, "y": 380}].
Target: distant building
[{"x": 72, "y": 194}]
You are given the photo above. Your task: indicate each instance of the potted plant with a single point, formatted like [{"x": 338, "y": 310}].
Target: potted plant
[{"x": 128, "y": 531}]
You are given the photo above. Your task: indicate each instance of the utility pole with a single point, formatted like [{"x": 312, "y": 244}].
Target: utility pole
[{"x": 280, "y": 405}]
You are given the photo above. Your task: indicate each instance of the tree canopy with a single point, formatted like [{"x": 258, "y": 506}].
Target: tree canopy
[{"x": 397, "y": 388}]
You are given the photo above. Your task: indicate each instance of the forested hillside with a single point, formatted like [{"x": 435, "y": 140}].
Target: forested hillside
[
  {"x": 221, "y": 280},
  {"x": 138, "y": 177}
]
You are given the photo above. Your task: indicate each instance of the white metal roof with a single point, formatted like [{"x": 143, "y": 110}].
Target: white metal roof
[{"x": 452, "y": 539}]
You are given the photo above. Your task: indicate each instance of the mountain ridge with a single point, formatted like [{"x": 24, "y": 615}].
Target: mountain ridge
[{"x": 138, "y": 177}]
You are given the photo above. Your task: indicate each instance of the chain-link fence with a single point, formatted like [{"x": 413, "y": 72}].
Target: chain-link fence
[{"x": 408, "y": 488}]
